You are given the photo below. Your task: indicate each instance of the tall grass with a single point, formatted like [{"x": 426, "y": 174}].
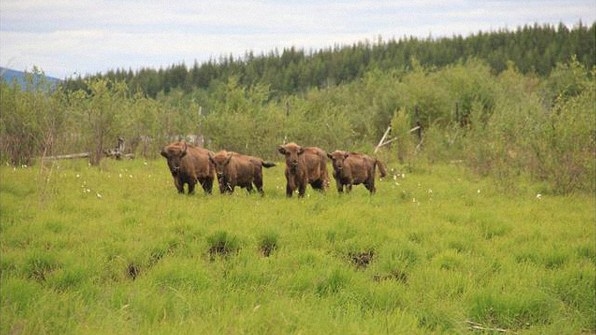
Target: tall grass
[{"x": 117, "y": 250}]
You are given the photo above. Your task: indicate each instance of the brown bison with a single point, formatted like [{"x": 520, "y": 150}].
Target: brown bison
[
  {"x": 351, "y": 168},
  {"x": 304, "y": 165},
  {"x": 189, "y": 165},
  {"x": 234, "y": 169}
]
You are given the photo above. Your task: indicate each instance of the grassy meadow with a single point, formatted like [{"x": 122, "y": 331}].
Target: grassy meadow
[{"x": 115, "y": 250}]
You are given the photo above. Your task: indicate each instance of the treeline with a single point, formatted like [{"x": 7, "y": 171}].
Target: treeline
[{"x": 532, "y": 48}]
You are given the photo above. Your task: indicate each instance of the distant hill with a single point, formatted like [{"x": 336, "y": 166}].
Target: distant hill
[{"x": 10, "y": 76}]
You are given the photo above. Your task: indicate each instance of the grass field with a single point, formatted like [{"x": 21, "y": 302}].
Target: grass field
[{"x": 117, "y": 251}]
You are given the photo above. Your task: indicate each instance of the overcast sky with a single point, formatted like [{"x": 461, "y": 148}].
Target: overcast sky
[{"x": 68, "y": 37}]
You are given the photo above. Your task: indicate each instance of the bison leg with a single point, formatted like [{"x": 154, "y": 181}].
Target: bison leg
[
  {"x": 259, "y": 187},
  {"x": 348, "y": 188},
  {"x": 207, "y": 184},
  {"x": 249, "y": 188},
  {"x": 289, "y": 190},
  {"x": 318, "y": 185},
  {"x": 230, "y": 187},
  {"x": 258, "y": 181},
  {"x": 191, "y": 187},
  {"x": 339, "y": 185},
  {"x": 370, "y": 185},
  {"x": 301, "y": 190},
  {"x": 222, "y": 185},
  {"x": 225, "y": 187},
  {"x": 290, "y": 185},
  {"x": 179, "y": 185}
]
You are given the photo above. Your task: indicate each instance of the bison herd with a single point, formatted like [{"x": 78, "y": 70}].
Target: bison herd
[{"x": 190, "y": 165}]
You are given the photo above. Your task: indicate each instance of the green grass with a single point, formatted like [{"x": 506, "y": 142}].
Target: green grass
[{"x": 117, "y": 251}]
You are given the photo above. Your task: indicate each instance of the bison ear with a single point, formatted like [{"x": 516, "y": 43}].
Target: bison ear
[
  {"x": 210, "y": 154},
  {"x": 300, "y": 150},
  {"x": 346, "y": 155},
  {"x": 281, "y": 149},
  {"x": 164, "y": 153},
  {"x": 330, "y": 156}
]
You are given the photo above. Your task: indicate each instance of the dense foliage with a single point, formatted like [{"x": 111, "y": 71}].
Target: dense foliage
[{"x": 521, "y": 119}]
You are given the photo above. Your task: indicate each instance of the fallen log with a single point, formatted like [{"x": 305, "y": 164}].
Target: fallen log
[{"x": 70, "y": 156}]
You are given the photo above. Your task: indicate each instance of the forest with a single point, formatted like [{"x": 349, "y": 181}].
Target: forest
[
  {"x": 512, "y": 104},
  {"x": 532, "y": 48}
]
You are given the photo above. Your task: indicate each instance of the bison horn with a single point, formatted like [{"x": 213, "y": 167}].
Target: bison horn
[
  {"x": 228, "y": 157},
  {"x": 184, "y": 149}
]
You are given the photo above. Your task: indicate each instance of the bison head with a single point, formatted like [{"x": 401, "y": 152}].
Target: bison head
[
  {"x": 337, "y": 159},
  {"x": 174, "y": 154},
  {"x": 292, "y": 151},
  {"x": 220, "y": 160}
]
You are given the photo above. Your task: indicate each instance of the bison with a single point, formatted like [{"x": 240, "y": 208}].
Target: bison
[
  {"x": 234, "y": 169},
  {"x": 304, "y": 165},
  {"x": 189, "y": 165},
  {"x": 352, "y": 168}
]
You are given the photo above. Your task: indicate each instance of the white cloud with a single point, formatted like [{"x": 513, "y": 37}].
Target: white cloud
[{"x": 90, "y": 36}]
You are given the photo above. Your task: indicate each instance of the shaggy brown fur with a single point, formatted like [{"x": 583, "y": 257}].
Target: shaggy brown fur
[
  {"x": 234, "y": 169},
  {"x": 304, "y": 165},
  {"x": 352, "y": 168},
  {"x": 189, "y": 165}
]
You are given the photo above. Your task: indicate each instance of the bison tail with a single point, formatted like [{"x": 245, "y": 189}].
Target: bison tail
[
  {"x": 382, "y": 169},
  {"x": 268, "y": 164}
]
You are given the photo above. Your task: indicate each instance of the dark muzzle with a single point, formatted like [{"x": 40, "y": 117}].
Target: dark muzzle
[{"x": 294, "y": 166}]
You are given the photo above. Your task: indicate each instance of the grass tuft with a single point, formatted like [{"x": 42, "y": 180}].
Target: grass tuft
[
  {"x": 268, "y": 242},
  {"x": 38, "y": 266},
  {"x": 333, "y": 282},
  {"x": 518, "y": 310},
  {"x": 222, "y": 244}
]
